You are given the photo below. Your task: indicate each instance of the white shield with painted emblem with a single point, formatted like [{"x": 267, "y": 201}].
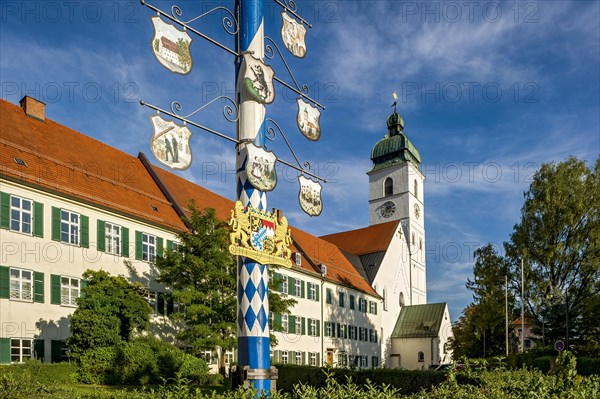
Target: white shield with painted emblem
[
  {"x": 258, "y": 79},
  {"x": 171, "y": 47},
  {"x": 292, "y": 35},
  {"x": 260, "y": 168},
  {"x": 310, "y": 196},
  {"x": 309, "y": 120},
  {"x": 170, "y": 143}
]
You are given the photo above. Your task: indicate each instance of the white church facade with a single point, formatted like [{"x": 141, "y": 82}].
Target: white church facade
[{"x": 70, "y": 203}]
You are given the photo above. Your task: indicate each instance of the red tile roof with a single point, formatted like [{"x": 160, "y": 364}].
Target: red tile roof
[
  {"x": 365, "y": 240},
  {"x": 69, "y": 163}
]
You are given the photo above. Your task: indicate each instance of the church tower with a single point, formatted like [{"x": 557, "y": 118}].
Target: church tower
[{"x": 396, "y": 193}]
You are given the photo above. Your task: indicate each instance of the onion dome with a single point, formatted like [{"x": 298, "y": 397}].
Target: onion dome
[{"x": 395, "y": 147}]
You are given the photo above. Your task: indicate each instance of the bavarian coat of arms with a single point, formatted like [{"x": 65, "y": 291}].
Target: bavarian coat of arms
[
  {"x": 171, "y": 47},
  {"x": 258, "y": 79}
]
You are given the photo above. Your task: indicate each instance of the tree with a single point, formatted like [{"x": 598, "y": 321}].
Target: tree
[
  {"x": 559, "y": 239},
  {"x": 480, "y": 331},
  {"x": 110, "y": 309}
]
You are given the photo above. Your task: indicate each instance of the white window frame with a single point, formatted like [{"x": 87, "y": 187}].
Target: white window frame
[
  {"x": 112, "y": 238},
  {"x": 284, "y": 284},
  {"x": 285, "y": 322},
  {"x": 362, "y": 305},
  {"x": 298, "y": 325},
  {"x": 73, "y": 227},
  {"x": 352, "y": 333},
  {"x": 148, "y": 247},
  {"x": 229, "y": 357},
  {"x": 298, "y": 288},
  {"x": 298, "y": 358},
  {"x": 313, "y": 358},
  {"x": 21, "y": 349},
  {"x": 342, "y": 359},
  {"x": 206, "y": 356},
  {"x": 284, "y": 357},
  {"x": 364, "y": 361},
  {"x": 371, "y": 307},
  {"x": 22, "y": 214},
  {"x": 21, "y": 288},
  {"x": 69, "y": 292},
  {"x": 362, "y": 334},
  {"x": 343, "y": 331},
  {"x": 312, "y": 327},
  {"x": 152, "y": 298},
  {"x": 328, "y": 328},
  {"x": 298, "y": 259},
  {"x": 312, "y": 291}
]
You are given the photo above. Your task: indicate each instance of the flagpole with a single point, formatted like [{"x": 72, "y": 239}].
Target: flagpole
[{"x": 253, "y": 299}]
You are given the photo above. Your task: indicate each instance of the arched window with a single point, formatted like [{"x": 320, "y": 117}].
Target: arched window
[
  {"x": 421, "y": 357},
  {"x": 401, "y": 299},
  {"x": 384, "y": 298},
  {"x": 421, "y": 244},
  {"x": 413, "y": 238},
  {"x": 416, "y": 189},
  {"x": 388, "y": 187}
]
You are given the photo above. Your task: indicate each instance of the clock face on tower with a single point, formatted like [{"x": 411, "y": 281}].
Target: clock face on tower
[
  {"x": 417, "y": 211},
  {"x": 387, "y": 209}
]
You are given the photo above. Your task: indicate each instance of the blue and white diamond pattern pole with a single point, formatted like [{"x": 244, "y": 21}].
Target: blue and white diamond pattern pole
[{"x": 253, "y": 302}]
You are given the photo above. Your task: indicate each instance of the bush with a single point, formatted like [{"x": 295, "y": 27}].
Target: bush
[
  {"x": 95, "y": 366},
  {"x": 588, "y": 365}
]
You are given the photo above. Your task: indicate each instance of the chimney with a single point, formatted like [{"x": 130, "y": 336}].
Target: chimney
[{"x": 33, "y": 108}]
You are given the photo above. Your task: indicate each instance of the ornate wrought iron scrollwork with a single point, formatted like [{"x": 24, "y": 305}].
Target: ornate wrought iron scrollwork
[
  {"x": 227, "y": 109},
  {"x": 228, "y": 22}
]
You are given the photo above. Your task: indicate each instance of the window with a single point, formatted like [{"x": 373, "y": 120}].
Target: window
[
  {"x": 342, "y": 359},
  {"x": 152, "y": 299},
  {"x": 206, "y": 356},
  {"x": 388, "y": 187},
  {"x": 384, "y": 299},
  {"x": 372, "y": 307},
  {"x": 20, "y": 349},
  {"x": 175, "y": 247},
  {"x": 229, "y": 357},
  {"x": 69, "y": 290},
  {"x": 298, "y": 287},
  {"x": 284, "y": 357},
  {"x": 362, "y": 305},
  {"x": 329, "y": 296},
  {"x": 112, "y": 234},
  {"x": 421, "y": 357},
  {"x": 298, "y": 325},
  {"x": 313, "y": 358},
  {"x": 401, "y": 299},
  {"x": 343, "y": 331},
  {"x": 299, "y": 358},
  {"x": 364, "y": 361},
  {"x": 312, "y": 327},
  {"x": 352, "y": 302},
  {"x": 21, "y": 284},
  {"x": 342, "y": 299},
  {"x": 148, "y": 247},
  {"x": 20, "y": 214},
  {"x": 374, "y": 361},
  {"x": 298, "y": 259},
  {"x": 312, "y": 291},
  {"x": 285, "y": 324},
  {"x": 421, "y": 244},
  {"x": 352, "y": 332},
  {"x": 413, "y": 238},
  {"x": 69, "y": 227},
  {"x": 284, "y": 284},
  {"x": 372, "y": 335},
  {"x": 362, "y": 334},
  {"x": 416, "y": 189}
]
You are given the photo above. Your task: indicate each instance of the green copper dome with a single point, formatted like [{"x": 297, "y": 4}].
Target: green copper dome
[{"x": 395, "y": 147}]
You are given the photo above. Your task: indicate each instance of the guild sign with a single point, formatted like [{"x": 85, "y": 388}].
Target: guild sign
[
  {"x": 292, "y": 35},
  {"x": 308, "y": 120},
  {"x": 171, "y": 47},
  {"x": 258, "y": 79},
  {"x": 170, "y": 143},
  {"x": 261, "y": 236},
  {"x": 310, "y": 196},
  {"x": 260, "y": 168}
]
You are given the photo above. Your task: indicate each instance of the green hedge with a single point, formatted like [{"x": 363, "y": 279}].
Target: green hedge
[
  {"x": 408, "y": 382},
  {"x": 542, "y": 360}
]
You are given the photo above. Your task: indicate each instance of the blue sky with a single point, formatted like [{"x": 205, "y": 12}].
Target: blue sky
[{"x": 488, "y": 90}]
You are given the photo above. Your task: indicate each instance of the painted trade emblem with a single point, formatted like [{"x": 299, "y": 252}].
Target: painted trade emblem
[
  {"x": 258, "y": 79},
  {"x": 171, "y": 47},
  {"x": 292, "y": 35},
  {"x": 261, "y": 236},
  {"x": 260, "y": 168},
  {"x": 310, "y": 196},
  {"x": 170, "y": 143},
  {"x": 309, "y": 120}
]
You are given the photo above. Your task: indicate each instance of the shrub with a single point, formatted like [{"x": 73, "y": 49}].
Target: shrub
[
  {"x": 588, "y": 365},
  {"x": 95, "y": 366}
]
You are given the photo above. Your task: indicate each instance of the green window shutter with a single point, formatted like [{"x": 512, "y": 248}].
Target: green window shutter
[
  {"x": 318, "y": 328},
  {"x": 82, "y": 284},
  {"x": 277, "y": 320},
  {"x": 85, "y": 231},
  {"x": 292, "y": 324},
  {"x": 4, "y": 282},
  {"x": 303, "y": 326},
  {"x": 339, "y": 330},
  {"x": 169, "y": 245},
  {"x": 341, "y": 299},
  {"x": 55, "y": 289},
  {"x": 56, "y": 224},
  {"x": 277, "y": 279},
  {"x": 138, "y": 245},
  {"x": 291, "y": 286},
  {"x": 159, "y": 246},
  {"x": 318, "y": 359},
  {"x": 303, "y": 357},
  {"x": 56, "y": 351},
  {"x": 303, "y": 284},
  {"x": 125, "y": 242},
  {"x": 328, "y": 295},
  {"x": 292, "y": 357},
  {"x": 326, "y": 332},
  {"x": 5, "y": 221},
  {"x": 4, "y": 350},
  {"x": 317, "y": 291},
  {"x": 38, "y": 349},
  {"x": 352, "y": 302},
  {"x": 170, "y": 306},
  {"x": 38, "y": 219},
  {"x": 161, "y": 303},
  {"x": 277, "y": 356},
  {"x": 38, "y": 287},
  {"x": 101, "y": 237}
]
